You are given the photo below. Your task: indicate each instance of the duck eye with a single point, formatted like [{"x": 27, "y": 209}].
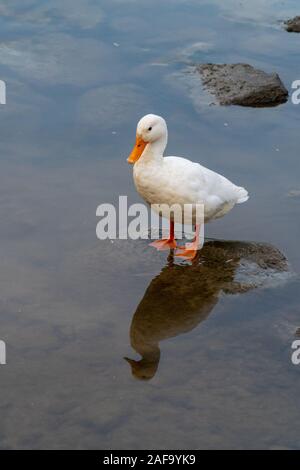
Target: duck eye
[{"x": 149, "y": 128}]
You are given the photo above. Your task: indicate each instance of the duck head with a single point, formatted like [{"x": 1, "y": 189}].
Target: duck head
[{"x": 151, "y": 131}]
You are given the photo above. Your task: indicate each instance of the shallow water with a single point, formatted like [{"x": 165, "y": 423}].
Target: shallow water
[{"x": 79, "y": 75}]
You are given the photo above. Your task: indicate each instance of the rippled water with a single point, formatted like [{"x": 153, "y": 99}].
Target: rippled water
[{"x": 208, "y": 346}]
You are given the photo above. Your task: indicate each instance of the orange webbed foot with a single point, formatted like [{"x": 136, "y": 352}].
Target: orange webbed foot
[
  {"x": 189, "y": 251},
  {"x": 164, "y": 244}
]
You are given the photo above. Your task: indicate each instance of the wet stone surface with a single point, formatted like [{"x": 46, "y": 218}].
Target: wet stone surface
[
  {"x": 293, "y": 25},
  {"x": 243, "y": 85},
  {"x": 251, "y": 264}
]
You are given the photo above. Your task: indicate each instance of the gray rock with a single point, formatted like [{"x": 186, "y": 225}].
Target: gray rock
[
  {"x": 243, "y": 85},
  {"x": 294, "y": 193},
  {"x": 293, "y": 25}
]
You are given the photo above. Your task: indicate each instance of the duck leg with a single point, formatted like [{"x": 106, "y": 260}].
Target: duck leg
[
  {"x": 190, "y": 250},
  {"x": 166, "y": 243}
]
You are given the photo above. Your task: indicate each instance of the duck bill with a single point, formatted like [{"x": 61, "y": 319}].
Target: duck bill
[{"x": 137, "y": 151}]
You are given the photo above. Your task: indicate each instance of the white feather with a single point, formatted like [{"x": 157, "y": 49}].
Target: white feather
[{"x": 176, "y": 180}]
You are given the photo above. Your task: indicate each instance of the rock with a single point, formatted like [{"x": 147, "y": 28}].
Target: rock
[
  {"x": 256, "y": 264},
  {"x": 243, "y": 85},
  {"x": 293, "y": 25},
  {"x": 294, "y": 193}
]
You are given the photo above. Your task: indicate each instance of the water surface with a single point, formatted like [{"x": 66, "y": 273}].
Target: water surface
[{"x": 79, "y": 75}]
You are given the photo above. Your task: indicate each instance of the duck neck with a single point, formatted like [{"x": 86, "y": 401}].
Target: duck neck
[{"x": 155, "y": 150}]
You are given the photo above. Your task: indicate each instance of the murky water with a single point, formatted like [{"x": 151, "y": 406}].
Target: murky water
[{"x": 208, "y": 345}]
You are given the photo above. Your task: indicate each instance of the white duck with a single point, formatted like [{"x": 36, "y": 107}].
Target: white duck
[{"x": 176, "y": 180}]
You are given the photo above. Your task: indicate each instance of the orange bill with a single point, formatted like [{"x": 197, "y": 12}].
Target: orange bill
[{"x": 137, "y": 151}]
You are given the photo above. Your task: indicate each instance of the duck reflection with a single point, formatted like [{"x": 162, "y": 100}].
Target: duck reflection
[{"x": 183, "y": 296}]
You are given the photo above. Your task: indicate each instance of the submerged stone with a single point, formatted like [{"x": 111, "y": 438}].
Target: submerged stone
[
  {"x": 243, "y": 85},
  {"x": 293, "y": 25},
  {"x": 294, "y": 193}
]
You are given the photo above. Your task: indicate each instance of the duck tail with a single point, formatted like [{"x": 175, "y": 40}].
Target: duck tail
[{"x": 242, "y": 195}]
